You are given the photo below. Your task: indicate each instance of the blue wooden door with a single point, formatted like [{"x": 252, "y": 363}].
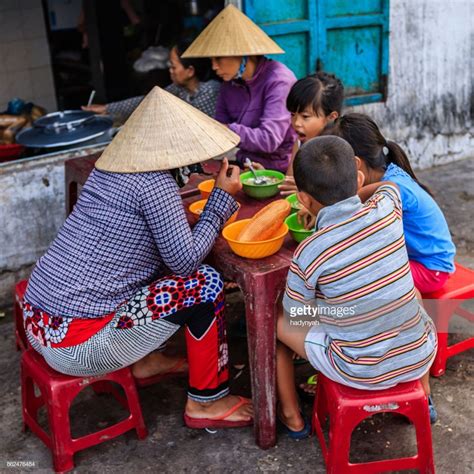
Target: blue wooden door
[
  {"x": 346, "y": 37},
  {"x": 290, "y": 23}
]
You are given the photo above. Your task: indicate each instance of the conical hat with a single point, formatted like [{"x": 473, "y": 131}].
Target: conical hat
[
  {"x": 163, "y": 133},
  {"x": 231, "y": 33}
]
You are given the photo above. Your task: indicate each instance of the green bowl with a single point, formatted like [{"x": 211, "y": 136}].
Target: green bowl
[
  {"x": 294, "y": 203},
  {"x": 297, "y": 230},
  {"x": 262, "y": 191}
]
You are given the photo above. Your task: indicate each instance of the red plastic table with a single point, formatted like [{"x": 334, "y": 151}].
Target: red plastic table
[{"x": 261, "y": 282}]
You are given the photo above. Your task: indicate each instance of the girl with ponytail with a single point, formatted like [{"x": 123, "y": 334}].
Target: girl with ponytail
[{"x": 430, "y": 247}]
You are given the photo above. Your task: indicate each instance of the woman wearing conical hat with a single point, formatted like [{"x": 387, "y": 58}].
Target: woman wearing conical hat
[
  {"x": 252, "y": 100},
  {"x": 125, "y": 272}
]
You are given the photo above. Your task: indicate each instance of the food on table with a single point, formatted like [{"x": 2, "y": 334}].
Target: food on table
[
  {"x": 253, "y": 250},
  {"x": 262, "y": 191},
  {"x": 268, "y": 180},
  {"x": 297, "y": 228},
  {"x": 265, "y": 223},
  {"x": 197, "y": 208}
]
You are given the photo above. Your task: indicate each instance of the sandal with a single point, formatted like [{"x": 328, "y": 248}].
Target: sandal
[
  {"x": 173, "y": 372},
  {"x": 219, "y": 421},
  {"x": 304, "y": 433},
  {"x": 432, "y": 410}
]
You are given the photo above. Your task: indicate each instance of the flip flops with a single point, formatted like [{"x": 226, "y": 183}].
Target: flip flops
[
  {"x": 219, "y": 421},
  {"x": 432, "y": 410},
  {"x": 173, "y": 372},
  {"x": 304, "y": 433}
]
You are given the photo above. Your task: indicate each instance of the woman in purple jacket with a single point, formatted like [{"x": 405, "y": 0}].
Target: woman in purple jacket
[{"x": 252, "y": 100}]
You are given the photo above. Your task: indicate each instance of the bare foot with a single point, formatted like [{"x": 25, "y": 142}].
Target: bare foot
[
  {"x": 219, "y": 407},
  {"x": 308, "y": 388},
  {"x": 231, "y": 285},
  {"x": 158, "y": 363}
]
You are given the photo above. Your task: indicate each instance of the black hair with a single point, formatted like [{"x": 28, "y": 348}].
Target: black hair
[
  {"x": 323, "y": 92},
  {"x": 202, "y": 66},
  {"x": 325, "y": 168},
  {"x": 368, "y": 143}
]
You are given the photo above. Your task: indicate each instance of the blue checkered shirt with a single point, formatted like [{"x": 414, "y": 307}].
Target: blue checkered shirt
[{"x": 125, "y": 231}]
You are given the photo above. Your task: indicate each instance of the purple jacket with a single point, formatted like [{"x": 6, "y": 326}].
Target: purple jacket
[{"x": 256, "y": 111}]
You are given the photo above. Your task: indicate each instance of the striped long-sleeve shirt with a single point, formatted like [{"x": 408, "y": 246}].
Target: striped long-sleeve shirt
[
  {"x": 354, "y": 270},
  {"x": 125, "y": 231}
]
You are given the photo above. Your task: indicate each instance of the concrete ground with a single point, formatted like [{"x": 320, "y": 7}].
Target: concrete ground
[{"x": 170, "y": 447}]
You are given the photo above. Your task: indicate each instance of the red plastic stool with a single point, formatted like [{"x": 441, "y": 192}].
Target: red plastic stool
[
  {"x": 442, "y": 305},
  {"x": 347, "y": 407},
  {"x": 57, "y": 392},
  {"x": 20, "y": 335}
]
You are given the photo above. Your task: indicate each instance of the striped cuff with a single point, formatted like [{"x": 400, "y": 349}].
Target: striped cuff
[{"x": 209, "y": 395}]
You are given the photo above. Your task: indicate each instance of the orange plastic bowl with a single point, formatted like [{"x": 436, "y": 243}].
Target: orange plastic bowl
[
  {"x": 205, "y": 187},
  {"x": 253, "y": 250},
  {"x": 197, "y": 207}
]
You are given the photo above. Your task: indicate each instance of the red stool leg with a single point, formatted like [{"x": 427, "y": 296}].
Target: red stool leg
[
  {"x": 60, "y": 428},
  {"x": 31, "y": 402},
  {"x": 134, "y": 406},
  {"x": 340, "y": 434},
  {"x": 321, "y": 406},
  {"x": 130, "y": 402},
  {"x": 20, "y": 336},
  {"x": 443, "y": 312},
  {"x": 439, "y": 364},
  {"x": 421, "y": 419},
  {"x": 320, "y": 415},
  {"x": 27, "y": 399}
]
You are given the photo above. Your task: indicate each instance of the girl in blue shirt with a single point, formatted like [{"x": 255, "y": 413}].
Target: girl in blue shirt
[{"x": 430, "y": 247}]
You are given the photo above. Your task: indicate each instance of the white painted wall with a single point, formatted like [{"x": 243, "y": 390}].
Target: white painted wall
[
  {"x": 430, "y": 94},
  {"x": 32, "y": 209}
]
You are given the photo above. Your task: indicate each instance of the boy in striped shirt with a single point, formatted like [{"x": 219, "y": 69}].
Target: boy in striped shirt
[{"x": 350, "y": 306}]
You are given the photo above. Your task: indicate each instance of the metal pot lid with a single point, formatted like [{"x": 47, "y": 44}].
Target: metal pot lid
[
  {"x": 50, "y": 136},
  {"x": 64, "y": 117}
]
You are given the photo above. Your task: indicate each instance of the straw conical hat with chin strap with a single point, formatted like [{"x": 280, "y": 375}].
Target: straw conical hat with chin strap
[
  {"x": 231, "y": 33},
  {"x": 163, "y": 133}
]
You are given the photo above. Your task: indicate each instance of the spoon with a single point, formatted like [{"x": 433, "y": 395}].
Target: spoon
[{"x": 259, "y": 180}]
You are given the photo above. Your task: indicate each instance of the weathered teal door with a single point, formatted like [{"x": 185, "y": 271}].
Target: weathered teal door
[
  {"x": 291, "y": 24},
  {"x": 346, "y": 37}
]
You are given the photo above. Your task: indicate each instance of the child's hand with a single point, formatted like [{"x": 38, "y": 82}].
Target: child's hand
[
  {"x": 288, "y": 187},
  {"x": 307, "y": 219}
]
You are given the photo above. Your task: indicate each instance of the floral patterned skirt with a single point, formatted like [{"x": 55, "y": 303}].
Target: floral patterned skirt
[{"x": 87, "y": 347}]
